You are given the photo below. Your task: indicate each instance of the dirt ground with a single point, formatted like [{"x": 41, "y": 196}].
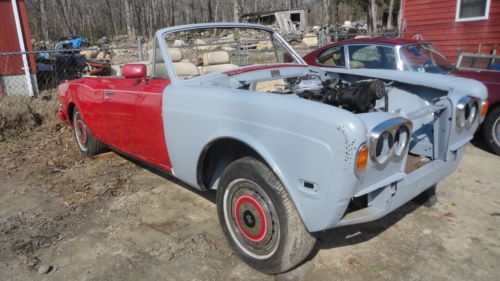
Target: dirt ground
[{"x": 65, "y": 217}]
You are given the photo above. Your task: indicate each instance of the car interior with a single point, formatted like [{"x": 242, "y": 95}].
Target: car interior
[
  {"x": 372, "y": 56},
  {"x": 211, "y": 62},
  {"x": 333, "y": 57}
]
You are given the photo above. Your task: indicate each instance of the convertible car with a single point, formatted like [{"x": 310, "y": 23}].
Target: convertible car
[
  {"x": 290, "y": 149},
  {"x": 417, "y": 56}
]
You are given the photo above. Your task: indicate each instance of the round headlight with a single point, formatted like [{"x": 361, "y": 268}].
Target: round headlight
[
  {"x": 383, "y": 148},
  {"x": 389, "y": 140},
  {"x": 401, "y": 140},
  {"x": 467, "y": 112},
  {"x": 473, "y": 110}
]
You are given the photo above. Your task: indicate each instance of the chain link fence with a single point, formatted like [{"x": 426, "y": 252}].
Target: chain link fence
[{"x": 49, "y": 68}]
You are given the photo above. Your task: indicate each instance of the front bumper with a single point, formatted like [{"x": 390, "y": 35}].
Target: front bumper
[{"x": 390, "y": 197}]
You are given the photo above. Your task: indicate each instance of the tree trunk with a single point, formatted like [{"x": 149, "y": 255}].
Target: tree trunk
[
  {"x": 337, "y": 16},
  {"x": 216, "y": 12},
  {"x": 372, "y": 14},
  {"x": 111, "y": 17},
  {"x": 326, "y": 11},
  {"x": 129, "y": 20},
  {"x": 209, "y": 8},
  {"x": 63, "y": 5},
  {"x": 43, "y": 19},
  {"x": 389, "y": 16},
  {"x": 236, "y": 10},
  {"x": 151, "y": 19},
  {"x": 400, "y": 15},
  {"x": 172, "y": 9}
]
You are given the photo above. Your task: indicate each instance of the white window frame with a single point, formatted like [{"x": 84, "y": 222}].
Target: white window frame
[{"x": 485, "y": 17}]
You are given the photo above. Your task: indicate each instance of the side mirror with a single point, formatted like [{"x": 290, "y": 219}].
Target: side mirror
[{"x": 135, "y": 71}]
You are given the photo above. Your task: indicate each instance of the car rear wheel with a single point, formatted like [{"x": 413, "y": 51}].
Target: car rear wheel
[
  {"x": 259, "y": 219},
  {"x": 87, "y": 144},
  {"x": 491, "y": 130}
]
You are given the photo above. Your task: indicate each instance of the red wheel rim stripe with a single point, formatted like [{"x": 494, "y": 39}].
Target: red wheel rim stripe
[
  {"x": 259, "y": 236},
  {"x": 83, "y": 132}
]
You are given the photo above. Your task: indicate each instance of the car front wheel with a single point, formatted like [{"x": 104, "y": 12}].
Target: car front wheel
[
  {"x": 259, "y": 219},
  {"x": 491, "y": 130}
]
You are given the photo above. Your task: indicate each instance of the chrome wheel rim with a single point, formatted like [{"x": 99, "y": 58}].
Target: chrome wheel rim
[
  {"x": 496, "y": 131},
  {"x": 251, "y": 219},
  {"x": 80, "y": 131}
]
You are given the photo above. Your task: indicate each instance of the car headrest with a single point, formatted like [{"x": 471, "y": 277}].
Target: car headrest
[
  {"x": 218, "y": 57},
  {"x": 175, "y": 54}
]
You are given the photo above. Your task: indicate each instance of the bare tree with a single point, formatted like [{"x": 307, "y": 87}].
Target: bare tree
[
  {"x": 63, "y": 6},
  {"x": 236, "y": 10},
  {"x": 326, "y": 16},
  {"x": 129, "y": 20},
  {"x": 389, "y": 16},
  {"x": 43, "y": 20},
  {"x": 400, "y": 15},
  {"x": 50, "y": 19},
  {"x": 372, "y": 16}
]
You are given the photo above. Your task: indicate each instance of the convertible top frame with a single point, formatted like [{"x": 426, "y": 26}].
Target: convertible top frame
[{"x": 160, "y": 35}]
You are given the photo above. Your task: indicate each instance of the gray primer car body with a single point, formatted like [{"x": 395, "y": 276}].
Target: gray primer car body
[{"x": 303, "y": 140}]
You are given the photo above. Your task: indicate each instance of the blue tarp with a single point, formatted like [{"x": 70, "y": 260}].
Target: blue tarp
[{"x": 76, "y": 42}]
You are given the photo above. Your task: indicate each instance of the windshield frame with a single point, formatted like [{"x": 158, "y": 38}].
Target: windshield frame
[
  {"x": 160, "y": 35},
  {"x": 401, "y": 60}
]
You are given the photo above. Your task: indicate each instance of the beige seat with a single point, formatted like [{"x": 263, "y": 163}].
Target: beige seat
[
  {"x": 216, "y": 61},
  {"x": 183, "y": 68},
  {"x": 357, "y": 64},
  {"x": 336, "y": 59}
]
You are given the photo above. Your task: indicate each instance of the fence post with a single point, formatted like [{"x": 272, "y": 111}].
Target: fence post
[
  {"x": 139, "y": 49},
  {"x": 320, "y": 37}
]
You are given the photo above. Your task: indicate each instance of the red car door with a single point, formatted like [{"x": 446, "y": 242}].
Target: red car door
[{"x": 133, "y": 119}]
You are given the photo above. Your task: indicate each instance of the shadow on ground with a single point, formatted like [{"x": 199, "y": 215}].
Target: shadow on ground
[
  {"x": 359, "y": 233},
  {"x": 208, "y": 195},
  {"x": 333, "y": 238}
]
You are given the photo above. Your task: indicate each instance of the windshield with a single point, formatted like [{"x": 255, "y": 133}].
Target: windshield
[
  {"x": 424, "y": 58},
  {"x": 206, "y": 50}
]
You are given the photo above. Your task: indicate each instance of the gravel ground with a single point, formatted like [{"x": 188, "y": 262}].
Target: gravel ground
[{"x": 65, "y": 217}]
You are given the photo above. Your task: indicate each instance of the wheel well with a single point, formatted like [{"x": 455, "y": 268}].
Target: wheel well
[
  {"x": 217, "y": 155},
  {"x": 71, "y": 108}
]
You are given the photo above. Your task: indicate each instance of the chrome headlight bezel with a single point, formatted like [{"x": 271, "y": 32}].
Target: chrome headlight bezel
[
  {"x": 389, "y": 141},
  {"x": 467, "y": 112}
]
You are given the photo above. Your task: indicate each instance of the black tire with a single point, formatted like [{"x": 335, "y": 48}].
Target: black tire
[
  {"x": 85, "y": 141},
  {"x": 491, "y": 128},
  {"x": 269, "y": 234}
]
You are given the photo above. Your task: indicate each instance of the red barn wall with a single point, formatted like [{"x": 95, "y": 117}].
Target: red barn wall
[
  {"x": 435, "y": 21},
  {"x": 9, "y": 42}
]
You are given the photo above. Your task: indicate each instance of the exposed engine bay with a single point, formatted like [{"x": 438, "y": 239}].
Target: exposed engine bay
[{"x": 358, "y": 97}]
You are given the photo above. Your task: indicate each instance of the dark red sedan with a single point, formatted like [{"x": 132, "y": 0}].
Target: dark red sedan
[{"x": 410, "y": 55}]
